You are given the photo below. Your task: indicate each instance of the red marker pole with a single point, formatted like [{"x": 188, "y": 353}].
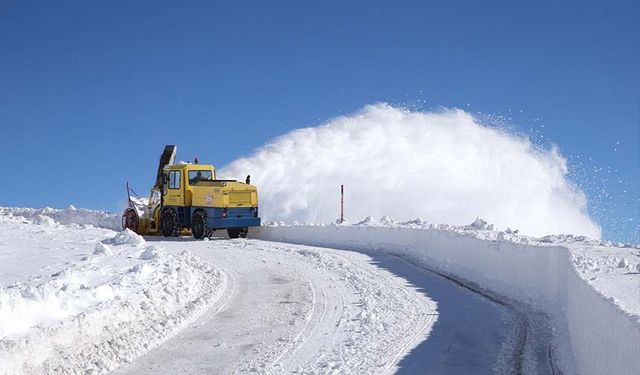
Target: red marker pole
[{"x": 341, "y": 204}]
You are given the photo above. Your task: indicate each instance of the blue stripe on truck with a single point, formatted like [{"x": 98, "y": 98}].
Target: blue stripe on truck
[{"x": 236, "y": 217}]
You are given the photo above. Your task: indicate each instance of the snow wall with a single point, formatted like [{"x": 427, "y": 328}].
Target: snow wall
[{"x": 603, "y": 338}]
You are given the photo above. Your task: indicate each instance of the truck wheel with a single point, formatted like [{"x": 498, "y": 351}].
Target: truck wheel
[
  {"x": 199, "y": 225},
  {"x": 169, "y": 223},
  {"x": 237, "y": 232},
  {"x": 130, "y": 220}
]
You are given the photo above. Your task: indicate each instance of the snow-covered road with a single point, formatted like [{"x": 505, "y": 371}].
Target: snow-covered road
[
  {"x": 292, "y": 308},
  {"x": 77, "y": 298}
]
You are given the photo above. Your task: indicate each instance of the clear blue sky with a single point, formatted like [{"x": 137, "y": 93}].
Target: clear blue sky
[{"x": 98, "y": 87}]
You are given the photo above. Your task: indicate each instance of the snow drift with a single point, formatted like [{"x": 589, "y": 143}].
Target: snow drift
[
  {"x": 554, "y": 275},
  {"x": 67, "y": 216},
  {"x": 96, "y": 304},
  {"x": 444, "y": 166}
]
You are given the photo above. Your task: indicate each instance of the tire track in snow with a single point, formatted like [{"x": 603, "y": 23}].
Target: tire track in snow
[
  {"x": 340, "y": 314},
  {"x": 403, "y": 331},
  {"x": 299, "y": 340},
  {"x": 522, "y": 356},
  {"x": 428, "y": 307},
  {"x": 198, "y": 320},
  {"x": 227, "y": 294}
]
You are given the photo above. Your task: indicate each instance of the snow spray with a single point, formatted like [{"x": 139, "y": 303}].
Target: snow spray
[{"x": 443, "y": 166}]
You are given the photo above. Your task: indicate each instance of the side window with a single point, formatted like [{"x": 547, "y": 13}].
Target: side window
[{"x": 174, "y": 179}]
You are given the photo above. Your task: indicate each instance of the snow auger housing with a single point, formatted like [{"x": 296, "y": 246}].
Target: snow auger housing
[{"x": 188, "y": 197}]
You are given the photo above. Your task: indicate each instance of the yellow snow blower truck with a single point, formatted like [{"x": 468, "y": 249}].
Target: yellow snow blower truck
[{"x": 188, "y": 197}]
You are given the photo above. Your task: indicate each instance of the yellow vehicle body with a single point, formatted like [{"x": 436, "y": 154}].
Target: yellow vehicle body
[
  {"x": 208, "y": 192},
  {"x": 200, "y": 202},
  {"x": 188, "y": 198}
]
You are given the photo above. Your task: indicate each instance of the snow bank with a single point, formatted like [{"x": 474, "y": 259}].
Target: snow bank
[
  {"x": 604, "y": 334},
  {"x": 70, "y": 215},
  {"x": 444, "y": 166},
  {"x": 97, "y": 313}
]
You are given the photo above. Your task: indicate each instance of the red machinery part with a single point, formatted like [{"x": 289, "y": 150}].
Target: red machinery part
[{"x": 130, "y": 219}]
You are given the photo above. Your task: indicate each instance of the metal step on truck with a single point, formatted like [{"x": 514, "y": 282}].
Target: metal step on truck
[{"x": 188, "y": 199}]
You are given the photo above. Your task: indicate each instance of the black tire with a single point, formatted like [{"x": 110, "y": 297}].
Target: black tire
[
  {"x": 199, "y": 225},
  {"x": 237, "y": 232},
  {"x": 169, "y": 225}
]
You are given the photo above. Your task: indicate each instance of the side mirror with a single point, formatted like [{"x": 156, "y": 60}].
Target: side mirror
[{"x": 165, "y": 181}]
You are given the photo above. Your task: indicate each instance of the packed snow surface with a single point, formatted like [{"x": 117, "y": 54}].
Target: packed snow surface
[
  {"x": 444, "y": 166},
  {"x": 298, "y": 309},
  {"x": 80, "y": 299}
]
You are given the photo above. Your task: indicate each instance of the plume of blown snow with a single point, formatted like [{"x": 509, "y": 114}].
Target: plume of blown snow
[{"x": 443, "y": 166}]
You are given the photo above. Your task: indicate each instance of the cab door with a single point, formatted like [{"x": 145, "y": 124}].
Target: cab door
[{"x": 175, "y": 189}]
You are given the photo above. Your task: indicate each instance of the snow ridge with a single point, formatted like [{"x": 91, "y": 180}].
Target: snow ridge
[
  {"x": 68, "y": 216},
  {"x": 102, "y": 311}
]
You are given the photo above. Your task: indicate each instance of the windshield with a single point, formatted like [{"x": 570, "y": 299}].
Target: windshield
[{"x": 195, "y": 176}]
